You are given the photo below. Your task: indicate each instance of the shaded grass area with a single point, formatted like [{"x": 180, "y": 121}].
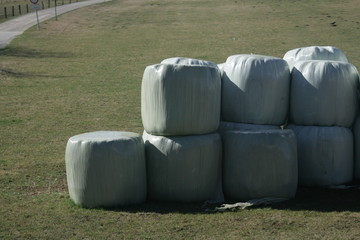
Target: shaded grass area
[{"x": 83, "y": 73}]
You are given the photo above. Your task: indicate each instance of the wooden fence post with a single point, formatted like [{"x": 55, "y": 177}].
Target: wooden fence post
[
  {"x": 42, "y": 5},
  {"x": 13, "y": 11},
  {"x": 20, "y": 9},
  {"x": 27, "y": 8},
  {"x": 5, "y": 12}
]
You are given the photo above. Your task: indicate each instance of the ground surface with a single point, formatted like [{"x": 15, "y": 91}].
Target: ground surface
[
  {"x": 14, "y": 27},
  {"x": 83, "y": 73}
]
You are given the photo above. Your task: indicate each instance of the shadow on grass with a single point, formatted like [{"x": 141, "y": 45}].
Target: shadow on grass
[
  {"x": 162, "y": 208},
  {"x": 323, "y": 200},
  {"x": 10, "y": 73},
  {"x": 31, "y": 53},
  {"x": 306, "y": 199},
  {"x": 6, "y": 72}
]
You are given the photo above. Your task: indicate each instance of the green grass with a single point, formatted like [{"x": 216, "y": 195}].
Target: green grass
[{"x": 83, "y": 73}]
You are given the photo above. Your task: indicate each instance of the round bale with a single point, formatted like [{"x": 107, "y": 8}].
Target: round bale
[
  {"x": 183, "y": 168},
  {"x": 255, "y": 89},
  {"x": 106, "y": 169},
  {"x": 180, "y": 99},
  {"x": 259, "y": 164},
  {"x": 324, "y": 93},
  {"x": 325, "y": 155}
]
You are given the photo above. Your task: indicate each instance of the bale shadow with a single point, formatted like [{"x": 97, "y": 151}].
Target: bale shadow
[
  {"x": 323, "y": 200},
  {"x": 10, "y": 73},
  {"x": 24, "y": 52},
  {"x": 162, "y": 208},
  {"x": 306, "y": 199}
]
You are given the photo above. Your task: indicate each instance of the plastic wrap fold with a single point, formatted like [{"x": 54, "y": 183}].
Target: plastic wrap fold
[
  {"x": 180, "y": 99},
  {"x": 106, "y": 169},
  {"x": 255, "y": 89},
  {"x": 314, "y": 53},
  {"x": 324, "y": 93},
  {"x": 259, "y": 164},
  {"x": 188, "y": 61},
  {"x": 183, "y": 168},
  {"x": 221, "y": 66},
  {"x": 325, "y": 155},
  {"x": 233, "y": 126}
]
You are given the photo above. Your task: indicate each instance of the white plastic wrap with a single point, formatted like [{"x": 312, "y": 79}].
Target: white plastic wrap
[
  {"x": 356, "y": 134},
  {"x": 232, "y": 126},
  {"x": 325, "y": 155},
  {"x": 221, "y": 67},
  {"x": 259, "y": 164},
  {"x": 324, "y": 93},
  {"x": 106, "y": 169},
  {"x": 184, "y": 168},
  {"x": 314, "y": 53},
  {"x": 255, "y": 89},
  {"x": 180, "y": 99},
  {"x": 188, "y": 61}
]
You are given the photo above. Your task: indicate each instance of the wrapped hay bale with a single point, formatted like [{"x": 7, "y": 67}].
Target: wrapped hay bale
[
  {"x": 314, "y": 53},
  {"x": 255, "y": 89},
  {"x": 180, "y": 99},
  {"x": 188, "y": 61},
  {"x": 183, "y": 168},
  {"x": 356, "y": 134},
  {"x": 259, "y": 164},
  {"x": 324, "y": 93},
  {"x": 106, "y": 169},
  {"x": 232, "y": 126},
  {"x": 325, "y": 155}
]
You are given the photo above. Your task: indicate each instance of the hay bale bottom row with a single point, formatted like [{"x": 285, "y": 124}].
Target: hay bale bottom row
[{"x": 106, "y": 169}]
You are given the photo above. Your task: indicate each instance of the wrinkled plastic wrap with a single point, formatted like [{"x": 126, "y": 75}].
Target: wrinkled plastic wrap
[
  {"x": 183, "y": 168},
  {"x": 324, "y": 93},
  {"x": 259, "y": 164},
  {"x": 233, "y": 126},
  {"x": 180, "y": 99},
  {"x": 325, "y": 155},
  {"x": 106, "y": 169},
  {"x": 356, "y": 134},
  {"x": 314, "y": 53},
  {"x": 188, "y": 61},
  {"x": 255, "y": 89},
  {"x": 221, "y": 68}
]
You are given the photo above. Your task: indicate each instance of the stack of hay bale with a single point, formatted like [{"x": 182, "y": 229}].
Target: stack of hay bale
[
  {"x": 180, "y": 109},
  {"x": 260, "y": 159},
  {"x": 186, "y": 154},
  {"x": 323, "y": 107}
]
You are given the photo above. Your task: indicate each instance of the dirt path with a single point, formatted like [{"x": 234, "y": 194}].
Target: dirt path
[{"x": 12, "y": 28}]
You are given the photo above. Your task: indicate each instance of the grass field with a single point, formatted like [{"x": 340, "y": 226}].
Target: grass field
[{"x": 83, "y": 73}]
